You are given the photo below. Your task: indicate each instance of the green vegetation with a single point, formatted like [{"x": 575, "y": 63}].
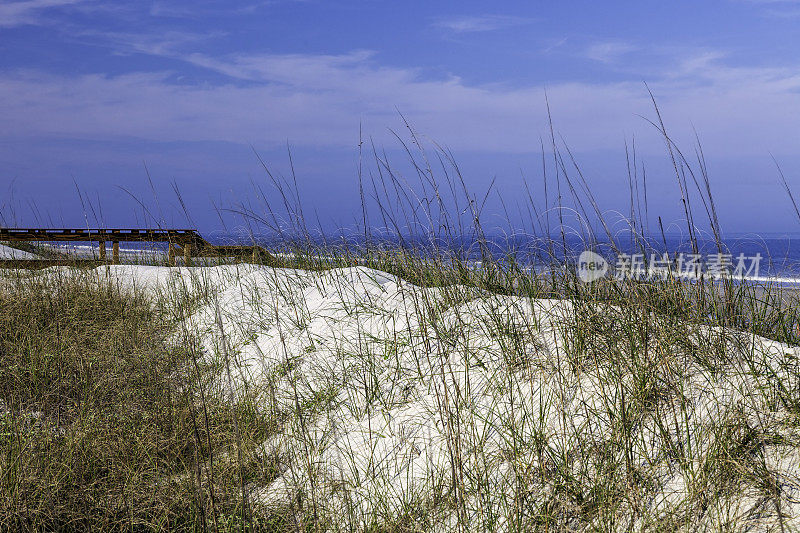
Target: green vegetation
[
  {"x": 105, "y": 421},
  {"x": 402, "y": 388}
]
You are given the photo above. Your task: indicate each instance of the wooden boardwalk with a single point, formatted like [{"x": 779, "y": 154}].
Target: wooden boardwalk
[{"x": 187, "y": 242}]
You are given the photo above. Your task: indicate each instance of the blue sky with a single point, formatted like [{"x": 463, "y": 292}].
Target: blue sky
[{"x": 94, "y": 96}]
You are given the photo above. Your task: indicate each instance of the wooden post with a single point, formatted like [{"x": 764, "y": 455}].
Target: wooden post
[
  {"x": 255, "y": 254},
  {"x": 115, "y": 253},
  {"x": 187, "y": 254},
  {"x": 171, "y": 254},
  {"x": 102, "y": 250}
]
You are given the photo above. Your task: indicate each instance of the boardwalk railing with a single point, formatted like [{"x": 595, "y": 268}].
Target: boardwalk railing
[{"x": 186, "y": 241}]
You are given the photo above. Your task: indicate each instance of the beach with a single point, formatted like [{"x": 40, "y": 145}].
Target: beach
[{"x": 482, "y": 408}]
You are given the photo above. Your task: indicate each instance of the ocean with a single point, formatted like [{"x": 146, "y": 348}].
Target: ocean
[{"x": 770, "y": 258}]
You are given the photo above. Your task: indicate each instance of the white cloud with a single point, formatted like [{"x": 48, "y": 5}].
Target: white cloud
[
  {"x": 309, "y": 71},
  {"x": 28, "y": 11},
  {"x": 197, "y": 9},
  {"x": 165, "y": 44},
  {"x": 319, "y": 100},
  {"x": 481, "y": 23},
  {"x": 609, "y": 52}
]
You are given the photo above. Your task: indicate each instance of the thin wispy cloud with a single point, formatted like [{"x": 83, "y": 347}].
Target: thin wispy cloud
[
  {"x": 203, "y": 10},
  {"x": 609, "y": 52},
  {"x": 776, "y": 9},
  {"x": 481, "y": 23},
  {"x": 701, "y": 63},
  {"x": 29, "y": 11},
  {"x": 165, "y": 44},
  {"x": 322, "y": 72},
  {"x": 786, "y": 13},
  {"x": 161, "y": 9},
  {"x": 770, "y": 1},
  {"x": 554, "y": 44}
]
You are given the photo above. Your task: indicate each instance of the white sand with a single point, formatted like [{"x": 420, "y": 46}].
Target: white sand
[
  {"x": 6, "y": 252},
  {"x": 395, "y": 405}
]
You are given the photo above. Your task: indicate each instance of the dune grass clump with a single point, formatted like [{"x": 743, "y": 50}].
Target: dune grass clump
[{"x": 105, "y": 421}]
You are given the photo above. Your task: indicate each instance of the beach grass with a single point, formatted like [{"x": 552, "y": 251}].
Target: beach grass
[{"x": 404, "y": 384}]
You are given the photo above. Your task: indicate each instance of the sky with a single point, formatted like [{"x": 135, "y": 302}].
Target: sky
[{"x": 108, "y": 108}]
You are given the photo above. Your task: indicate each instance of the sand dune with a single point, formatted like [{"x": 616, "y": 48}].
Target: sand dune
[
  {"x": 392, "y": 397},
  {"x": 6, "y": 252}
]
